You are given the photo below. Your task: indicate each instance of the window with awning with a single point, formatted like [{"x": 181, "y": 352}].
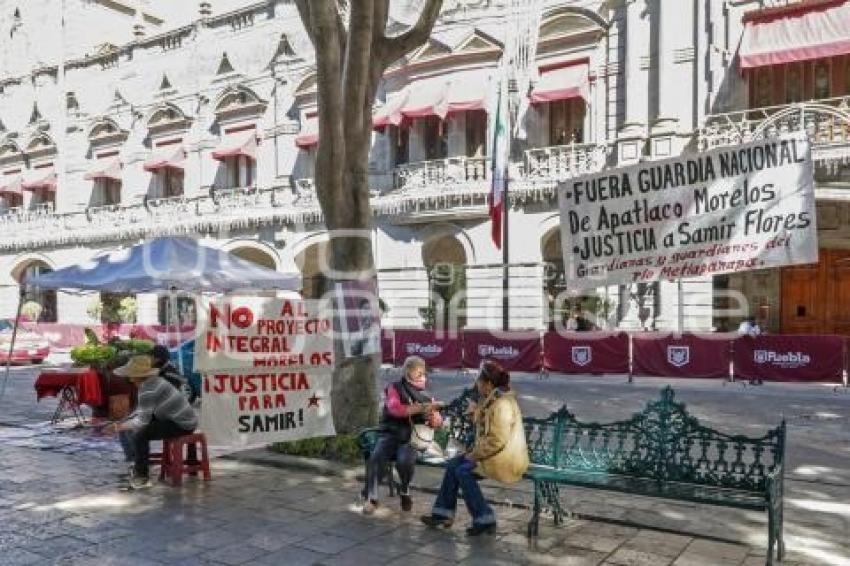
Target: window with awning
[
  {"x": 40, "y": 179},
  {"x": 168, "y": 157},
  {"x": 11, "y": 186},
  {"x": 105, "y": 168},
  {"x": 799, "y": 32},
  {"x": 237, "y": 144},
  {"x": 308, "y": 138},
  {"x": 562, "y": 81}
]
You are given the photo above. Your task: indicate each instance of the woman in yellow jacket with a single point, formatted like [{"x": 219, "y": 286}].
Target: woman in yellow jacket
[{"x": 499, "y": 453}]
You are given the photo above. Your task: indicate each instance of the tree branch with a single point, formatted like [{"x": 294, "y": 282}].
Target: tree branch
[
  {"x": 397, "y": 47},
  {"x": 355, "y": 79},
  {"x": 304, "y": 11}
]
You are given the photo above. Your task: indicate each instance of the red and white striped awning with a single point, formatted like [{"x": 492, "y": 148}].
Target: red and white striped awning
[
  {"x": 467, "y": 94},
  {"x": 427, "y": 98},
  {"x": 237, "y": 144},
  {"x": 800, "y": 32},
  {"x": 105, "y": 168},
  {"x": 309, "y": 136},
  {"x": 11, "y": 185},
  {"x": 42, "y": 179},
  {"x": 168, "y": 157},
  {"x": 562, "y": 82}
]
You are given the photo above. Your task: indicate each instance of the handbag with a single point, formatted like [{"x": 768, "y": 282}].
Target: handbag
[{"x": 421, "y": 436}]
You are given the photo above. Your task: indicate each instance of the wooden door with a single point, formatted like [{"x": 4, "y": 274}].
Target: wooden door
[
  {"x": 801, "y": 307},
  {"x": 838, "y": 295}
]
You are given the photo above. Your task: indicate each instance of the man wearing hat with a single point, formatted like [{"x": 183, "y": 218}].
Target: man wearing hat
[{"x": 162, "y": 412}]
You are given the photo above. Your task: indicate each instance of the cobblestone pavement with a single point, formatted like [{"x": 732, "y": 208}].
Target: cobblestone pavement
[{"x": 61, "y": 502}]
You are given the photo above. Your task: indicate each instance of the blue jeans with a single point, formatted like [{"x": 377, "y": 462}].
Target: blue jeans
[
  {"x": 390, "y": 448},
  {"x": 459, "y": 476},
  {"x": 125, "y": 437}
]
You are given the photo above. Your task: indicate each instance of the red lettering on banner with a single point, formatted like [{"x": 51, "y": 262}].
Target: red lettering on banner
[{"x": 213, "y": 342}]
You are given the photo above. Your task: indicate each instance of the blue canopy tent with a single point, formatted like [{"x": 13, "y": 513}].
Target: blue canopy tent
[{"x": 165, "y": 264}]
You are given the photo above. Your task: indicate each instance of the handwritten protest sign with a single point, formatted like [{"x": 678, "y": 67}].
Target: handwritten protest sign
[
  {"x": 749, "y": 206},
  {"x": 242, "y": 333},
  {"x": 267, "y": 365}
]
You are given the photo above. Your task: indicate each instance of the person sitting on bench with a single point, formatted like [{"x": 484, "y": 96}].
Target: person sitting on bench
[{"x": 162, "y": 412}]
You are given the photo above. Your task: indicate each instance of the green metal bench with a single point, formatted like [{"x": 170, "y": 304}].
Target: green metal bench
[{"x": 661, "y": 451}]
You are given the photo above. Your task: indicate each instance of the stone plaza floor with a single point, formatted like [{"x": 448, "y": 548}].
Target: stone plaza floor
[{"x": 61, "y": 502}]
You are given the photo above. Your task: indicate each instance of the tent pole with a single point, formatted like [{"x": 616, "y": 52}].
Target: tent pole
[
  {"x": 175, "y": 322},
  {"x": 12, "y": 343}
]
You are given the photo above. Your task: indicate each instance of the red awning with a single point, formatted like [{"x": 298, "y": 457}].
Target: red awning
[
  {"x": 171, "y": 156},
  {"x": 427, "y": 98},
  {"x": 562, "y": 83},
  {"x": 801, "y": 32},
  {"x": 467, "y": 94},
  {"x": 390, "y": 113},
  {"x": 309, "y": 136},
  {"x": 43, "y": 179},
  {"x": 236, "y": 145},
  {"x": 11, "y": 185},
  {"x": 105, "y": 168}
]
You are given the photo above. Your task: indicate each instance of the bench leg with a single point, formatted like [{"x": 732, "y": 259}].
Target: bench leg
[
  {"x": 534, "y": 523},
  {"x": 771, "y": 534},
  {"x": 553, "y": 498}
]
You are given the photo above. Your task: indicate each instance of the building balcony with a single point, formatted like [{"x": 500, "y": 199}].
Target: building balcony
[
  {"x": 826, "y": 121},
  {"x": 444, "y": 175}
]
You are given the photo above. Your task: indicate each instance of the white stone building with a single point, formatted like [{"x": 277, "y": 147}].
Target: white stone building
[{"x": 135, "y": 120}]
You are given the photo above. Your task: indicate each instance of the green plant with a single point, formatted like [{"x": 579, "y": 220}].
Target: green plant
[
  {"x": 95, "y": 310},
  {"x": 93, "y": 355},
  {"x": 127, "y": 310},
  {"x": 31, "y": 310},
  {"x": 133, "y": 346},
  {"x": 429, "y": 316},
  {"x": 91, "y": 337},
  {"x": 340, "y": 448}
]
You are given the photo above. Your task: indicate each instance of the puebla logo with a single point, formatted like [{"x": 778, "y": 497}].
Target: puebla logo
[
  {"x": 423, "y": 349},
  {"x": 582, "y": 355},
  {"x": 783, "y": 359},
  {"x": 499, "y": 352},
  {"x": 678, "y": 356}
]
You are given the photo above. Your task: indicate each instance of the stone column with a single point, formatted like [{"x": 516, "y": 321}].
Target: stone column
[{"x": 635, "y": 59}]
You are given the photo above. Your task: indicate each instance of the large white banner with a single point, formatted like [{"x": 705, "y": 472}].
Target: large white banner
[
  {"x": 750, "y": 206},
  {"x": 267, "y": 365}
]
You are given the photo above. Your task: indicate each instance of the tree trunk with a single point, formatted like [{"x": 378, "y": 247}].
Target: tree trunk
[{"x": 350, "y": 62}]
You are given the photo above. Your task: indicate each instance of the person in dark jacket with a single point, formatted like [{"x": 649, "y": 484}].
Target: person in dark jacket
[
  {"x": 169, "y": 372},
  {"x": 406, "y": 404}
]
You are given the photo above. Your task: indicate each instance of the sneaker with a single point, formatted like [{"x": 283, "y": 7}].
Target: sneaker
[
  {"x": 406, "y": 502},
  {"x": 436, "y": 521},
  {"x": 370, "y": 507},
  {"x": 476, "y": 530},
  {"x": 139, "y": 482}
]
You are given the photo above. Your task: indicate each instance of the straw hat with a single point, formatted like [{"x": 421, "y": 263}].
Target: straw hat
[{"x": 139, "y": 368}]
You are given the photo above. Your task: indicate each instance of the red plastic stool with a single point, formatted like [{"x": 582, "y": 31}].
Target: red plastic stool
[{"x": 173, "y": 463}]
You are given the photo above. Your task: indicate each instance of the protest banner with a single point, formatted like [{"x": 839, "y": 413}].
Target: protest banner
[
  {"x": 748, "y": 206},
  {"x": 257, "y": 333},
  {"x": 267, "y": 365},
  {"x": 242, "y": 409}
]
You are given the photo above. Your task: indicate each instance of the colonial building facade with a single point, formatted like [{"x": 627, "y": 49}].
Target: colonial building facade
[{"x": 209, "y": 129}]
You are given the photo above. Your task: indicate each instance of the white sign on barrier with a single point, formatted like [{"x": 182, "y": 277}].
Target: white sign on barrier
[{"x": 749, "y": 206}]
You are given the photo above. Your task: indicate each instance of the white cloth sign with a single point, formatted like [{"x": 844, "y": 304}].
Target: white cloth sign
[
  {"x": 250, "y": 409},
  {"x": 267, "y": 365},
  {"x": 257, "y": 333},
  {"x": 749, "y": 206}
]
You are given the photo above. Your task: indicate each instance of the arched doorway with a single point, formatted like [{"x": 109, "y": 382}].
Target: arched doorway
[
  {"x": 554, "y": 278},
  {"x": 38, "y": 305},
  {"x": 313, "y": 262},
  {"x": 445, "y": 261},
  {"x": 256, "y": 256}
]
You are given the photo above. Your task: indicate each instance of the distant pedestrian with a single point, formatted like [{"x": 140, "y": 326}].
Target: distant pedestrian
[
  {"x": 499, "y": 453},
  {"x": 749, "y": 327},
  {"x": 407, "y": 404}
]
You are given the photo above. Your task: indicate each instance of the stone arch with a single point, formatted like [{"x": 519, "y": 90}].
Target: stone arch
[
  {"x": 9, "y": 147},
  {"x": 164, "y": 114},
  {"x": 311, "y": 257},
  {"x": 445, "y": 259},
  {"x": 23, "y": 260},
  {"x": 256, "y": 252},
  {"x": 572, "y": 18},
  {"x": 307, "y": 84},
  {"x": 40, "y": 141},
  {"x": 29, "y": 266},
  {"x": 445, "y": 228}
]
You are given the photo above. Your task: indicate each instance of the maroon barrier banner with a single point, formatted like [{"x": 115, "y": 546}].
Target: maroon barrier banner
[
  {"x": 789, "y": 358},
  {"x": 681, "y": 355},
  {"x": 586, "y": 352},
  {"x": 387, "y": 339},
  {"x": 515, "y": 351},
  {"x": 438, "y": 353}
]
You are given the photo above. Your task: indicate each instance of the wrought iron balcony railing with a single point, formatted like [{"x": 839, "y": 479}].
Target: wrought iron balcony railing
[
  {"x": 827, "y": 123},
  {"x": 560, "y": 162},
  {"x": 443, "y": 175}
]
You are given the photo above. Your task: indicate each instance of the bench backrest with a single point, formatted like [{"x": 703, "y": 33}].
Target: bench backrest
[{"x": 665, "y": 443}]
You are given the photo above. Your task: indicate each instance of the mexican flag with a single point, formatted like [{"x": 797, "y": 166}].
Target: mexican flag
[{"x": 500, "y": 163}]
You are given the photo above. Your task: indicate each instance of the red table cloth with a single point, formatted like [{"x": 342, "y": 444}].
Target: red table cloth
[{"x": 86, "y": 382}]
